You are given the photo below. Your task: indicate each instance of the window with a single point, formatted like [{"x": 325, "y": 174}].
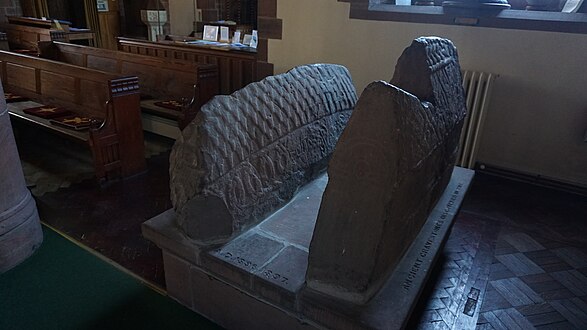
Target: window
[{"x": 506, "y": 18}]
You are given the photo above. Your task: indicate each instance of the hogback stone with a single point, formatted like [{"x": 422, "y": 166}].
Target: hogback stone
[
  {"x": 246, "y": 154},
  {"x": 390, "y": 166}
]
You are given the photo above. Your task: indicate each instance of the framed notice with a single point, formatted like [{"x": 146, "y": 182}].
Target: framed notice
[
  {"x": 102, "y": 5},
  {"x": 224, "y": 34},
  {"x": 254, "y": 39},
  {"x": 210, "y": 33},
  {"x": 247, "y": 39},
  {"x": 237, "y": 37}
]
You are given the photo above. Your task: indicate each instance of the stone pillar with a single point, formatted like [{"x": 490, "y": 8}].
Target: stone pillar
[
  {"x": 155, "y": 19},
  {"x": 20, "y": 229}
]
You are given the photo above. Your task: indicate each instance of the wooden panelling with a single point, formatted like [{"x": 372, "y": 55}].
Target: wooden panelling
[
  {"x": 262, "y": 50},
  {"x": 21, "y": 76},
  {"x": 109, "y": 26},
  {"x": 64, "y": 85},
  {"x": 267, "y": 8},
  {"x": 95, "y": 95},
  {"x": 269, "y": 27},
  {"x": 89, "y": 93},
  {"x": 75, "y": 59},
  {"x": 101, "y": 63},
  {"x": 24, "y": 37},
  {"x": 160, "y": 78},
  {"x": 235, "y": 69}
]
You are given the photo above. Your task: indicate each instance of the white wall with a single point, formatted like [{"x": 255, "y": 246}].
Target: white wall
[{"x": 538, "y": 116}]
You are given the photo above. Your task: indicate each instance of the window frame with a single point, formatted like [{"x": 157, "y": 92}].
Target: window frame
[{"x": 505, "y": 19}]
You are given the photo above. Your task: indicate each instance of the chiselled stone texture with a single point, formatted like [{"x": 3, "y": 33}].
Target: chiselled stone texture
[
  {"x": 246, "y": 154},
  {"x": 391, "y": 164}
]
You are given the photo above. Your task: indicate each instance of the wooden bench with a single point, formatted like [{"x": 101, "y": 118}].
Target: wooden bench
[
  {"x": 24, "y": 33},
  {"x": 236, "y": 68},
  {"x": 116, "y": 140},
  {"x": 160, "y": 79}
]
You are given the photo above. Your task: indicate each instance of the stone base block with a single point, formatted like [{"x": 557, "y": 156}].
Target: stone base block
[{"x": 257, "y": 280}]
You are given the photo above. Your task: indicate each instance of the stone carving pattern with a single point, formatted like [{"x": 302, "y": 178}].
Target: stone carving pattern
[
  {"x": 254, "y": 148},
  {"x": 390, "y": 166}
]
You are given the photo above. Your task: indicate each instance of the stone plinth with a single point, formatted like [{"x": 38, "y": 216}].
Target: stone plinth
[
  {"x": 20, "y": 229},
  {"x": 256, "y": 281}
]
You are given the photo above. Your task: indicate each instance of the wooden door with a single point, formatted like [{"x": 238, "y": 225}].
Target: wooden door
[{"x": 108, "y": 17}]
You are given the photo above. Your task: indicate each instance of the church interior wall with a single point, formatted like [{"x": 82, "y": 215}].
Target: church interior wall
[{"x": 537, "y": 116}]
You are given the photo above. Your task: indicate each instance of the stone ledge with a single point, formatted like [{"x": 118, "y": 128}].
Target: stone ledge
[{"x": 390, "y": 308}]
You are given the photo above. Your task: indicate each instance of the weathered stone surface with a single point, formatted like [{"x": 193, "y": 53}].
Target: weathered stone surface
[
  {"x": 295, "y": 222},
  {"x": 246, "y": 154},
  {"x": 281, "y": 279},
  {"x": 20, "y": 229},
  {"x": 242, "y": 257},
  {"x": 390, "y": 166}
]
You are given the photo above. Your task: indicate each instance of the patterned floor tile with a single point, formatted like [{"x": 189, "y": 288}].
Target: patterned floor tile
[
  {"x": 522, "y": 242},
  {"x": 519, "y": 264},
  {"x": 574, "y": 310},
  {"x": 516, "y": 292},
  {"x": 573, "y": 256},
  {"x": 536, "y": 278},
  {"x": 573, "y": 280}
]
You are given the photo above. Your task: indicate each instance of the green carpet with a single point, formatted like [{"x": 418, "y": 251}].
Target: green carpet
[{"x": 62, "y": 286}]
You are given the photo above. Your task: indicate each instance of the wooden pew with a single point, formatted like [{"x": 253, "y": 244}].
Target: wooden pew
[
  {"x": 24, "y": 32},
  {"x": 236, "y": 68},
  {"x": 160, "y": 79},
  {"x": 115, "y": 138},
  {"x": 26, "y": 37}
]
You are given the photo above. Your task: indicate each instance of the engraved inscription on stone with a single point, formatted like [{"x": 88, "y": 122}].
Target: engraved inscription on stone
[
  {"x": 246, "y": 154},
  {"x": 287, "y": 269},
  {"x": 425, "y": 249},
  {"x": 391, "y": 164},
  {"x": 248, "y": 253}
]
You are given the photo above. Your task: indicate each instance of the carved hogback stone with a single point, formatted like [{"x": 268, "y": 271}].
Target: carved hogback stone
[
  {"x": 390, "y": 166},
  {"x": 246, "y": 154}
]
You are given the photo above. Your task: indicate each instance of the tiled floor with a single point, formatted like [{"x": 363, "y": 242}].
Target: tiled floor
[{"x": 516, "y": 257}]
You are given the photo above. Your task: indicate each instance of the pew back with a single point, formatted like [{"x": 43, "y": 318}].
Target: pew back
[
  {"x": 236, "y": 69},
  {"x": 160, "y": 78},
  {"x": 83, "y": 90},
  {"x": 117, "y": 145}
]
